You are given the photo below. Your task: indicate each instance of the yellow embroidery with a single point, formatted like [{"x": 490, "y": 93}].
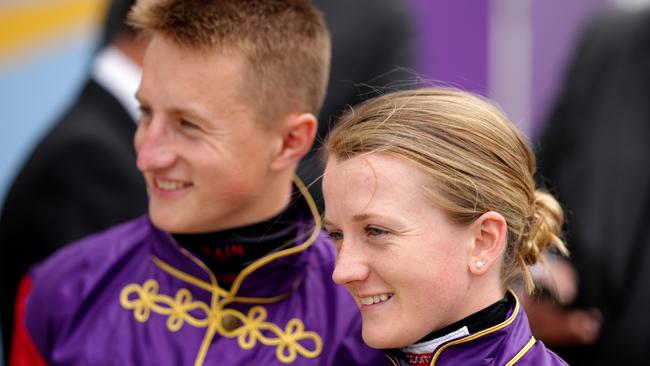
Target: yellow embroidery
[
  {"x": 254, "y": 328},
  {"x": 290, "y": 342}
]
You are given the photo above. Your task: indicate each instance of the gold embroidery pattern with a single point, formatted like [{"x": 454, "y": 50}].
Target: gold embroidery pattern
[
  {"x": 249, "y": 329},
  {"x": 254, "y": 327}
]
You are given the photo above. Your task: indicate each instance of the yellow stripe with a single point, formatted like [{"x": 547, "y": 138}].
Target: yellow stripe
[
  {"x": 481, "y": 333},
  {"x": 187, "y": 278},
  {"x": 286, "y": 252},
  {"x": 232, "y": 294},
  {"x": 522, "y": 352},
  {"x": 23, "y": 25},
  {"x": 392, "y": 360},
  {"x": 213, "y": 288}
]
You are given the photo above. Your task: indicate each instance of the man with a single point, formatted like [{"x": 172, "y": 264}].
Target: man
[
  {"x": 82, "y": 176},
  {"x": 230, "y": 265}
]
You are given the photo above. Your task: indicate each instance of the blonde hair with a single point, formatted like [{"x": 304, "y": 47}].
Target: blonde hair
[
  {"x": 285, "y": 42},
  {"x": 476, "y": 158}
]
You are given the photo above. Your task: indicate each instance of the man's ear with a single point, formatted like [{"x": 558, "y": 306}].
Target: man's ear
[
  {"x": 297, "y": 136},
  {"x": 490, "y": 235}
]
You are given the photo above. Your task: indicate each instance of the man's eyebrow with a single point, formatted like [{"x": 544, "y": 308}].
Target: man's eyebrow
[
  {"x": 190, "y": 112},
  {"x": 361, "y": 217}
]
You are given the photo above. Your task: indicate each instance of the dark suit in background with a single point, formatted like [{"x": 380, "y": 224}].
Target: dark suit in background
[
  {"x": 80, "y": 179},
  {"x": 595, "y": 154},
  {"x": 372, "y": 48}
]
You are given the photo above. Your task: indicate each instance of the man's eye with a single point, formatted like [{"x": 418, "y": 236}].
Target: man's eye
[
  {"x": 145, "y": 112},
  {"x": 375, "y": 231},
  {"x": 187, "y": 124}
]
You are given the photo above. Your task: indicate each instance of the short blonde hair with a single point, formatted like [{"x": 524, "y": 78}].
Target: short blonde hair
[
  {"x": 285, "y": 42},
  {"x": 477, "y": 160}
]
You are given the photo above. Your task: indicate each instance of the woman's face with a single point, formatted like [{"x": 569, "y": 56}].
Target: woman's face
[{"x": 401, "y": 258}]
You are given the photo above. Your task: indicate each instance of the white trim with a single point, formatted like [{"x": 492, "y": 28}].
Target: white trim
[{"x": 432, "y": 345}]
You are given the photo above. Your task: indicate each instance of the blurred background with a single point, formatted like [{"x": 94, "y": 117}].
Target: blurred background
[{"x": 513, "y": 51}]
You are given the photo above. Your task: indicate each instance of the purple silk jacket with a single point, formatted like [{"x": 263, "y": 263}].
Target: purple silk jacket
[
  {"x": 507, "y": 343},
  {"x": 132, "y": 296}
]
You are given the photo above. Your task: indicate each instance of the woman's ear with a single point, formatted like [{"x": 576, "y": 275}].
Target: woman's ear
[
  {"x": 490, "y": 235},
  {"x": 297, "y": 137}
]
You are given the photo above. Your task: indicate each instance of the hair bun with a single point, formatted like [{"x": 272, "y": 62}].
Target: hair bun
[{"x": 544, "y": 230}]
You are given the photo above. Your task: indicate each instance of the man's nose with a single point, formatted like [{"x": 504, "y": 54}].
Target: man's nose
[{"x": 154, "y": 145}]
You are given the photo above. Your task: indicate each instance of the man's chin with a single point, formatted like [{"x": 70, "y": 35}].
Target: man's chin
[{"x": 168, "y": 224}]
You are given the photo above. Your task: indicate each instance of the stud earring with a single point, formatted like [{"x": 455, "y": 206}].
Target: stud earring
[{"x": 480, "y": 263}]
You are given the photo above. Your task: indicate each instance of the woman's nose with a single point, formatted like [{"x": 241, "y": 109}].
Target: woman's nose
[{"x": 351, "y": 266}]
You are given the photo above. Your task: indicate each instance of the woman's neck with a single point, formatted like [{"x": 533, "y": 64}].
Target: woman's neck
[{"x": 420, "y": 353}]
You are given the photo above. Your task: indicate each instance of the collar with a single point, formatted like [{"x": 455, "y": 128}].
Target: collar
[
  {"x": 482, "y": 319},
  {"x": 431, "y": 345},
  {"x": 268, "y": 279},
  {"x": 506, "y": 342},
  {"x": 229, "y": 251},
  {"x": 114, "y": 71}
]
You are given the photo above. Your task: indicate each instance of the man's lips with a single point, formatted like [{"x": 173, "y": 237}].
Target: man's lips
[{"x": 170, "y": 184}]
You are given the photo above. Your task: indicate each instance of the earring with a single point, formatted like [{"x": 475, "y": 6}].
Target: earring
[{"x": 480, "y": 263}]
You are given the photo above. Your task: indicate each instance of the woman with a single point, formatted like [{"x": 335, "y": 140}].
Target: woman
[{"x": 431, "y": 202}]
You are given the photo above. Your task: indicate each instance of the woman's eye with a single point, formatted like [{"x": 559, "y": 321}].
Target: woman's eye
[{"x": 335, "y": 235}]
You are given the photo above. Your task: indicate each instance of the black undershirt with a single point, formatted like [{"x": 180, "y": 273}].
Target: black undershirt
[
  {"x": 483, "y": 319},
  {"x": 227, "y": 252}
]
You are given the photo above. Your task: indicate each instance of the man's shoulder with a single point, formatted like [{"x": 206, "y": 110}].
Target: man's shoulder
[
  {"x": 81, "y": 273},
  {"x": 92, "y": 253}
]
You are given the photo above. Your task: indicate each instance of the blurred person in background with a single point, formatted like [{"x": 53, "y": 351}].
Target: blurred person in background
[
  {"x": 82, "y": 177},
  {"x": 595, "y": 154}
]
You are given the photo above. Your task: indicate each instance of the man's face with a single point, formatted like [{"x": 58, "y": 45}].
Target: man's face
[{"x": 204, "y": 157}]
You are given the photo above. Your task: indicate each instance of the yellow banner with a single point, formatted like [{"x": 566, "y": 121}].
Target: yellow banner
[{"x": 26, "y": 23}]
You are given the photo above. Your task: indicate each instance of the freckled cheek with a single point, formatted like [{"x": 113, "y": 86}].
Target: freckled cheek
[{"x": 426, "y": 276}]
